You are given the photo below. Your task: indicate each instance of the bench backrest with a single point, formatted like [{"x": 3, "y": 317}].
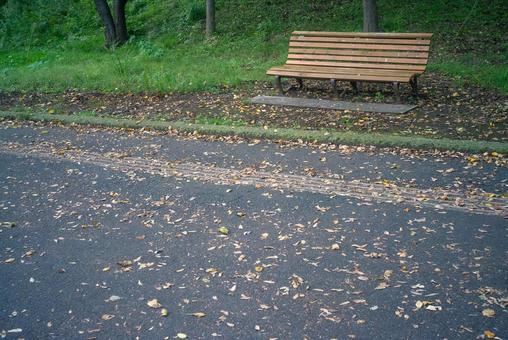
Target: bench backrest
[{"x": 390, "y": 51}]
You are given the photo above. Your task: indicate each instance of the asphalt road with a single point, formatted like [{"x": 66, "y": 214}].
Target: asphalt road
[{"x": 86, "y": 245}]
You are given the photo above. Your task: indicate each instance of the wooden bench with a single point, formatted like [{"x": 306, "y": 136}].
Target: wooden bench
[{"x": 355, "y": 57}]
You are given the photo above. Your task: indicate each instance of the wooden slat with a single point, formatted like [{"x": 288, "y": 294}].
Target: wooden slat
[
  {"x": 343, "y": 70},
  {"x": 416, "y": 68},
  {"x": 365, "y": 35},
  {"x": 360, "y": 40},
  {"x": 393, "y": 54},
  {"x": 357, "y": 58},
  {"x": 338, "y": 76},
  {"x": 359, "y": 46}
]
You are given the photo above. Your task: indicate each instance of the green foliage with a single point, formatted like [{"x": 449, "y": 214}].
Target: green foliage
[
  {"x": 197, "y": 12},
  {"x": 54, "y": 44},
  {"x": 27, "y": 23}
]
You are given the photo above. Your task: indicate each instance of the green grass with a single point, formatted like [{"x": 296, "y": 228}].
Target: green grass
[
  {"x": 131, "y": 69},
  {"x": 494, "y": 76},
  {"x": 218, "y": 121},
  {"x": 55, "y": 45},
  {"x": 351, "y": 138}
]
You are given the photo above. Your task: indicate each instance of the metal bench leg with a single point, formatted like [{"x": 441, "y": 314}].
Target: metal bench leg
[
  {"x": 414, "y": 86},
  {"x": 278, "y": 84},
  {"x": 396, "y": 90},
  {"x": 354, "y": 84},
  {"x": 300, "y": 83},
  {"x": 334, "y": 86}
]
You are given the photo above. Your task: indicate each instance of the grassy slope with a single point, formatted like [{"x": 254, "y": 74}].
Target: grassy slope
[{"x": 54, "y": 45}]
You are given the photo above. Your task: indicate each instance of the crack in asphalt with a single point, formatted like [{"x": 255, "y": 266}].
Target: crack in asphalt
[{"x": 475, "y": 201}]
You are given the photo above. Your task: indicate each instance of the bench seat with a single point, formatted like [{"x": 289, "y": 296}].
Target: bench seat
[{"x": 348, "y": 56}]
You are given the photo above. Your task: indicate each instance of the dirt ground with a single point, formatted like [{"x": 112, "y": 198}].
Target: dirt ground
[{"x": 445, "y": 108}]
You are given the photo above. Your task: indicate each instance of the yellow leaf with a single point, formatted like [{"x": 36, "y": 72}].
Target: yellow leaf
[
  {"x": 164, "y": 312},
  {"x": 488, "y": 312},
  {"x": 489, "y": 334},
  {"x": 181, "y": 336},
  {"x": 258, "y": 268},
  {"x": 223, "y": 230},
  {"x": 105, "y": 269}
]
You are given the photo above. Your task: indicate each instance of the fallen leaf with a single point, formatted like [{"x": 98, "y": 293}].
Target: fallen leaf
[
  {"x": 107, "y": 317},
  {"x": 223, "y": 230},
  {"x": 113, "y": 298},
  {"x": 154, "y": 303},
  {"x": 125, "y": 263},
  {"x": 335, "y": 246},
  {"x": 382, "y": 285},
  {"x": 198, "y": 314},
  {"x": 489, "y": 335},
  {"x": 258, "y": 268},
  {"x": 8, "y": 224},
  {"x": 10, "y": 260},
  {"x": 164, "y": 312},
  {"x": 181, "y": 336},
  {"x": 28, "y": 253},
  {"x": 488, "y": 312},
  {"x": 402, "y": 253}
]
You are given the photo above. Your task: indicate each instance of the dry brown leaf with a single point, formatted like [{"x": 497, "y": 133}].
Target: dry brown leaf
[
  {"x": 198, "y": 314},
  {"x": 489, "y": 335},
  {"x": 382, "y": 285},
  {"x": 154, "y": 303}
]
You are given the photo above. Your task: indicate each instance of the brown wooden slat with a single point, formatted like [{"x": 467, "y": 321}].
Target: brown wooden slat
[
  {"x": 416, "y": 68},
  {"x": 365, "y": 34},
  {"x": 360, "y": 40},
  {"x": 393, "y": 54},
  {"x": 338, "y": 76},
  {"x": 358, "y": 58},
  {"x": 343, "y": 70},
  {"x": 360, "y": 46}
]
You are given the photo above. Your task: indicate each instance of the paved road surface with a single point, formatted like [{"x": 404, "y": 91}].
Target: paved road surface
[{"x": 321, "y": 243}]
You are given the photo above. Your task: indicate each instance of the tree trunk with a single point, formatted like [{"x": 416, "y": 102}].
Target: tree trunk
[
  {"x": 107, "y": 21},
  {"x": 121, "y": 25},
  {"x": 370, "y": 22},
  {"x": 210, "y": 18}
]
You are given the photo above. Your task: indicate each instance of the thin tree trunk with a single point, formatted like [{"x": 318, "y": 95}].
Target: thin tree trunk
[
  {"x": 210, "y": 18},
  {"x": 121, "y": 24},
  {"x": 107, "y": 21},
  {"x": 370, "y": 20}
]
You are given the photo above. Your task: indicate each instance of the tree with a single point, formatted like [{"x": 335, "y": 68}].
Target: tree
[
  {"x": 210, "y": 18},
  {"x": 115, "y": 30},
  {"x": 370, "y": 21}
]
